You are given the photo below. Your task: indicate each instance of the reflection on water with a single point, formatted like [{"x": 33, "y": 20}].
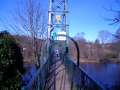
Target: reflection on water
[{"x": 105, "y": 74}]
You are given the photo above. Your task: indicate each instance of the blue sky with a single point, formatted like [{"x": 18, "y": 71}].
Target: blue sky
[{"x": 85, "y": 15}]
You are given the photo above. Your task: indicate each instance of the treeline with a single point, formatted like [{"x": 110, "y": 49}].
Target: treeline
[
  {"x": 105, "y": 48},
  {"x": 11, "y": 63},
  {"x": 28, "y": 51}
]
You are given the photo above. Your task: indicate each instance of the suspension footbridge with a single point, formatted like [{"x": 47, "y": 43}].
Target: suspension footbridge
[{"x": 58, "y": 71}]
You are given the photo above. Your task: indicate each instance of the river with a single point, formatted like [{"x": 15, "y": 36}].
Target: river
[{"x": 107, "y": 75}]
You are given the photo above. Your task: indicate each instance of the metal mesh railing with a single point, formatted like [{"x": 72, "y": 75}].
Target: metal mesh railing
[
  {"x": 38, "y": 81},
  {"x": 79, "y": 79}
]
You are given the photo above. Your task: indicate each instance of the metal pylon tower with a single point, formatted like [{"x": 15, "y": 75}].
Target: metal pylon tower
[{"x": 58, "y": 17}]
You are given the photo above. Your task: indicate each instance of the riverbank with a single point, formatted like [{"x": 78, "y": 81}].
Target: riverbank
[
  {"x": 85, "y": 60},
  {"x": 113, "y": 60}
]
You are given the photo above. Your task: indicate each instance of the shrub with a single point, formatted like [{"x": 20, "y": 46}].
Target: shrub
[
  {"x": 11, "y": 64},
  {"x": 111, "y": 55}
]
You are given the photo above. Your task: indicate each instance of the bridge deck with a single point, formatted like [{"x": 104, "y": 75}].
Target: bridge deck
[{"x": 58, "y": 80}]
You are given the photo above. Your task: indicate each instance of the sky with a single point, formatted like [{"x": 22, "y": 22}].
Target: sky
[{"x": 86, "y": 16}]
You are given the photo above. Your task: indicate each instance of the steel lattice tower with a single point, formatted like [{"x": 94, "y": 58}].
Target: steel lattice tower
[{"x": 58, "y": 17}]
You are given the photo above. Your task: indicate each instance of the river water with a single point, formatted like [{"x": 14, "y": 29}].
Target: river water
[{"x": 108, "y": 75}]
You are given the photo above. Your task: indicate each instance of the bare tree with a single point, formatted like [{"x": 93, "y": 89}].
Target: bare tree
[
  {"x": 114, "y": 8},
  {"x": 30, "y": 19},
  {"x": 116, "y": 20},
  {"x": 104, "y": 36},
  {"x": 98, "y": 50},
  {"x": 116, "y": 42},
  {"x": 82, "y": 44}
]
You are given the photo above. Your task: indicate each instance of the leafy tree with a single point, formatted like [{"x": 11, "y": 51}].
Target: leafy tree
[{"x": 11, "y": 64}]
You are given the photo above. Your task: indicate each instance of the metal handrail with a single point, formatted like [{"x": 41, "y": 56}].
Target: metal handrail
[{"x": 75, "y": 69}]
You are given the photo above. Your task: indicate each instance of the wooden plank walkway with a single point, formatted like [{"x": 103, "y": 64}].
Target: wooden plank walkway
[{"x": 58, "y": 80}]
